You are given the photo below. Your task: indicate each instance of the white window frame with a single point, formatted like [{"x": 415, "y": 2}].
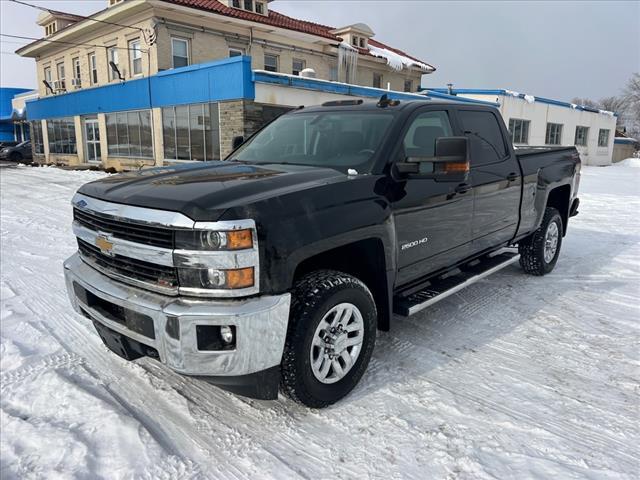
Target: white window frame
[
  {"x": 262, "y": 8},
  {"x": 244, "y": 6},
  {"x": 135, "y": 54},
  {"x": 302, "y": 61},
  {"x": 93, "y": 67},
  {"x": 61, "y": 74},
  {"x": 113, "y": 56},
  {"x": 277, "y": 62},
  {"x": 523, "y": 121},
  {"x": 77, "y": 74},
  {"x": 586, "y": 136},
  {"x": 558, "y": 133},
  {"x": 606, "y": 135},
  {"x": 187, "y": 43}
]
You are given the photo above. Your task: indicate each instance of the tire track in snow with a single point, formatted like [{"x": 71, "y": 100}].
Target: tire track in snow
[{"x": 51, "y": 362}]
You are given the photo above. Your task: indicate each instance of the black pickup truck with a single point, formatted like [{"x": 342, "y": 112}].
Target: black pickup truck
[{"x": 272, "y": 270}]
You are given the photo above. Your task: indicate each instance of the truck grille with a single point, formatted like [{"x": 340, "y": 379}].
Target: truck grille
[
  {"x": 158, "y": 276},
  {"x": 134, "y": 232}
]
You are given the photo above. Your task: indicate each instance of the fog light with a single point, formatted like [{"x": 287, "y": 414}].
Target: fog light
[{"x": 226, "y": 333}]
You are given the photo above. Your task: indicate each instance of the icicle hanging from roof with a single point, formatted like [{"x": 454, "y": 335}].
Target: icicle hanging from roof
[{"x": 347, "y": 62}]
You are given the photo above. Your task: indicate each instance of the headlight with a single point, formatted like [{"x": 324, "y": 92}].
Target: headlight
[
  {"x": 216, "y": 279},
  {"x": 214, "y": 240}
]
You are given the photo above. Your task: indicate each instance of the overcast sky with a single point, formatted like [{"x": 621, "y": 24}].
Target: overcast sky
[{"x": 555, "y": 49}]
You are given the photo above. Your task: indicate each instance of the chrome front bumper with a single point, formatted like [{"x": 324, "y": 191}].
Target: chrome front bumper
[{"x": 260, "y": 322}]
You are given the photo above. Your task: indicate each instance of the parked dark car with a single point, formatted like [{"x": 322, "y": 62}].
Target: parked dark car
[
  {"x": 17, "y": 153},
  {"x": 272, "y": 270}
]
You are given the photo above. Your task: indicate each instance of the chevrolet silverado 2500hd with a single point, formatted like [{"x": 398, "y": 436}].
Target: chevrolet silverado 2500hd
[{"x": 272, "y": 270}]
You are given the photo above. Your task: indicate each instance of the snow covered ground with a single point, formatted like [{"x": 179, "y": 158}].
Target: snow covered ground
[{"x": 515, "y": 377}]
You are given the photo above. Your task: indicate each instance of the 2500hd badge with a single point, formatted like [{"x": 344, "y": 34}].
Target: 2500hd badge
[{"x": 271, "y": 271}]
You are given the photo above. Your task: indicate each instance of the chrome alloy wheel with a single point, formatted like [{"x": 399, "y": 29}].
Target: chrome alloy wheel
[
  {"x": 551, "y": 242},
  {"x": 337, "y": 343}
]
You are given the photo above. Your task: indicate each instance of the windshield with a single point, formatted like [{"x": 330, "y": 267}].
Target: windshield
[{"x": 338, "y": 140}]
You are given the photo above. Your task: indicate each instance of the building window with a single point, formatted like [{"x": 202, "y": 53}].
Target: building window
[
  {"x": 270, "y": 62},
  {"x": 248, "y": 5},
  {"x": 93, "y": 69},
  {"x": 297, "y": 66},
  {"x": 333, "y": 74},
  {"x": 136, "y": 57},
  {"x": 36, "y": 137},
  {"x": 603, "y": 138},
  {"x": 62, "y": 135},
  {"x": 354, "y": 41},
  {"x": 113, "y": 2},
  {"x": 260, "y": 8},
  {"x": 47, "y": 78},
  {"x": 519, "y": 130},
  {"x": 112, "y": 56},
  {"x": 50, "y": 29},
  {"x": 377, "y": 80},
  {"x": 61, "y": 84},
  {"x": 236, "y": 52},
  {"x": 554, "y": 134},
  {"x": 191, "y": 132},
  {"x": 408, "y": 85},
  {"x": 180, "y": 52},
  {"x": 76, "y": 72},
  {"x": 581, "y": 136},
  {"x": 129, "y": 134},
  {"x": 361, "y": 41},
  {"x": 236, "y": 3}
]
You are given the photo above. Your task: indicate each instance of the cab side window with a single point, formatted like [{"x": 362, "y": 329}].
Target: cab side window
[
  {"x": 485, "y": 136},
  {"x": 420, "y": 139}
]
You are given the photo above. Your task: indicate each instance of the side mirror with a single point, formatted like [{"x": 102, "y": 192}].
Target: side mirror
[
  {"x": 450, "y": 163},
  {"x": 237, "y": 141}
]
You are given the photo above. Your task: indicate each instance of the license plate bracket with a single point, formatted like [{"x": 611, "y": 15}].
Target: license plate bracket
[{"x": 122, "y": 345}]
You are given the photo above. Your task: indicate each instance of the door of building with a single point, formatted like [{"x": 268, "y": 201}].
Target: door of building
[{"x": 92, "y": 134}]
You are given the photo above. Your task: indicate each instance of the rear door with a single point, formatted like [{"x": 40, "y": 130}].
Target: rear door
[
  {"x": 432, "y": 218},
  {"x": 495, "y": 178}
]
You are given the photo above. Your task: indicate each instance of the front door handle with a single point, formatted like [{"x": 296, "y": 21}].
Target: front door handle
[
  {"x": 512, "y": 177},
  {"x": 462, "y": 188}
]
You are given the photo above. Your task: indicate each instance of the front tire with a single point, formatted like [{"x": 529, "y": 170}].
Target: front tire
[
  {"x": 330, "y": 339},
  {"x": 539, "y": 252},
  {"x": 15, "y": 157}
]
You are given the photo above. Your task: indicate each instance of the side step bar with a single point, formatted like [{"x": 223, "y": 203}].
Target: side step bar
[{"x": 441, "y": 287}]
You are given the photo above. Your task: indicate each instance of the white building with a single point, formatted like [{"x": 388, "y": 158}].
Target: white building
[{"x": 535, "y": 121}]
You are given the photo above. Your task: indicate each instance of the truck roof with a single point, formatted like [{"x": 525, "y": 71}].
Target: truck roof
[{"x": 385, "y": 104}]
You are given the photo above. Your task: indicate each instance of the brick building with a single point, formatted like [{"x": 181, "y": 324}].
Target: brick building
[{"x": 147, "y": 82}]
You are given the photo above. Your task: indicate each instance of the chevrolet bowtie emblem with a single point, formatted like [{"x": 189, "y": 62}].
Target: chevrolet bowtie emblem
[{"x": 104, "y": 245}]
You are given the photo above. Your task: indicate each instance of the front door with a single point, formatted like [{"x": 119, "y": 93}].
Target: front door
[
  {"x": 92, "y": 134},
  {"x": 432, "y": 218}
]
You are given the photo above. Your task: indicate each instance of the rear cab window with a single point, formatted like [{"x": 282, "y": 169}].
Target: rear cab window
[{"x": 485, "y": 136}]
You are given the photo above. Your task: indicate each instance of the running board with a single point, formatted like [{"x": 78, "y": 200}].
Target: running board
[{"x": 448, "y": 284}]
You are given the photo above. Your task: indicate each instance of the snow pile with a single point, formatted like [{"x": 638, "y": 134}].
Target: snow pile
[
  {"x": 513, "y": 377},
  {"x": 529, "y": 98},
  {"x": 396, "y": 61},
  {"x": 574, "y": 106},
  {"x": 606, "y": 112},
  {"x": 628, "y": 162},
  {"x": 513, "y": 93}
]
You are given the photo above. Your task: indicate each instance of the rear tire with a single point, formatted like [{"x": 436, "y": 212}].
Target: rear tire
[
  {"x": 320, "y": 301},
  {"x": 539, "y": 251}
]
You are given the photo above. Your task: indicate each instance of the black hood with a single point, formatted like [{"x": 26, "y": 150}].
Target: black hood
[{"x": 204, "y": 191}]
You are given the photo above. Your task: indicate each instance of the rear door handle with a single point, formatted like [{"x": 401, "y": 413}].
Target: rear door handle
[
  {"x": 462, "y": 188},
  {"x": 512, "y": 177}
]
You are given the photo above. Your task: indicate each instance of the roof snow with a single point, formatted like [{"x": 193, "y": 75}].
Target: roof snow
[{"x": 396, "y": 61}]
